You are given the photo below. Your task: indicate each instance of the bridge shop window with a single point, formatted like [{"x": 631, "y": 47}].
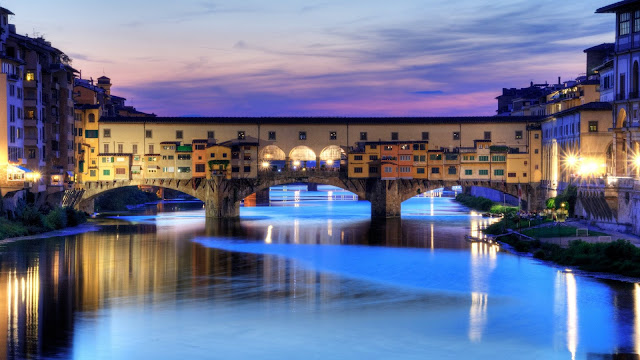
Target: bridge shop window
[
  {"x": 333, "y": 135},
  {"x": 184, "y": 156},
  {"x": 487, "y": 135},
  {"x": 358, "y": 170},
  {"x": 394, "y": 136},
  {"x": 498, "y": 172},
  {"x": 210, "y": 135},
  {"x": 120, "y": 171},
  {"x": 425, "y": 135},
  {"x": 178, "y": 134},
  {"x": 536, "y": 151},
  {"x": 420, "y": 170},
  {"x": 184, "y": 169},
  {"x": 483, "y": 158},
  {"x": 511, "y": 175},
  {"x": 388, "y": 147},
  {"x": 435, "y": 157},
  {"x": 241, "y": 135},
  {"x": 200, "y": 168},
  {"x": 134, "y": 148},
  {"x": 200, "y": 147},
  {"x": 468, "y": 172},
  {"x": 91, "y": 134},
  {"x": 247, "y": 169},
  {"x": 452, "y": 170},
  {"x": 302, "y": 135},
  {"x": 235, "y": 155},
  {"x": 435, "y": 170},
  {"x": 363, "y": 136},
  {"x": 106, "y": 148},
  {"x": 373, "y": 157},
  {"x": 456, "y": 135},
  {"x": 536, "y": 136},
  {"x": 483, "y": 172},
  {"x": 388, "y": 169},
  {"x": 106, "y": 133},
  {"x": 272, "y": 135},
  {"x": 92, "y": 173},
  {"x": 235, "y": 169},
  {"x": 518, "y": 134},
  {"x": 524, "y": 174},
  {"x": 593, "y": 126},
  {"x": 357, "y": 157},
  {"x": 373, "y": 169}
]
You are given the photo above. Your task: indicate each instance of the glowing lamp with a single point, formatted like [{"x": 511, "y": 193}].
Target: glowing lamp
[
  {"x": 296, "y": 163},
  {"x": 329, "y": 162},
  {"x": 571, "y": 160},
  {"x": 265, "y": 164}
]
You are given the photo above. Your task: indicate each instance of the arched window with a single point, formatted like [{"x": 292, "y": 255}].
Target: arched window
[
  {"x": 271, "y": 152},
  {"x": 92, "y": 118},
  {"x": 302, "y": 153}
]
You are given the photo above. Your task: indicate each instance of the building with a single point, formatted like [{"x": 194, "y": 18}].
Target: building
[{"x": 626, "y": 77}]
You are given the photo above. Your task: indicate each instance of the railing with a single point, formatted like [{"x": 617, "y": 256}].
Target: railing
[{"x": 323, "y": 173}]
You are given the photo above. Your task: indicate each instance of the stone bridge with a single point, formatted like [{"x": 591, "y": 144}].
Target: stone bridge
[{"x": 222, "y": 196}]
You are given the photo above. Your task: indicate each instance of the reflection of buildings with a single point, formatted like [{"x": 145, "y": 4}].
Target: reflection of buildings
[
  {"x": 566, "y": 306},
  {"x": 483, "y": 262}
]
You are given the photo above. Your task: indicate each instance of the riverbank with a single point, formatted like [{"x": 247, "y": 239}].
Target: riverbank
[
  {"x": 617, "y": 257},
  {"x": 483, "y": 204},
  {"x": 31, "y": 221}
]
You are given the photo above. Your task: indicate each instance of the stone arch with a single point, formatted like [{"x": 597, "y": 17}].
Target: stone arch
[
  {"x": 354, "y": 187},
  {"x": 302, "y": 157},
  {"x": 332, "y": 155},
  {"x": 272, "y": 152},
  {"x": 621, "y": 120}
]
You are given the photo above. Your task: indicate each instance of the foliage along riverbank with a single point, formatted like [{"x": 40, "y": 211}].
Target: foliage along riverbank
[
  {"x": 485, "y": 205},
  {"x": 30, "y": 221},
  {"x": 119, "y": 200},
  {"x": 617, "y": 257}
]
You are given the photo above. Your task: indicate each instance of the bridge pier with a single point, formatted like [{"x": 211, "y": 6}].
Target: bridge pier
[
  {"x": 385, "y": 198},
  {"x": 312, "y": 187},
  {"x": 220, "y": 204},
  {"x": 87, "y": 206}
]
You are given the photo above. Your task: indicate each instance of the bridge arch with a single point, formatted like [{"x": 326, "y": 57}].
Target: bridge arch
[
  {"x": 302, "y": 157},
  {"x": 272, "y": 153}
]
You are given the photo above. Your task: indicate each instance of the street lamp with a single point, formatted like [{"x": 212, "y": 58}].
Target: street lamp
[{"x": 571, "y": 161}]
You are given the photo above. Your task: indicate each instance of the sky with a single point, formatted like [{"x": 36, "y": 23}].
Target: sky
[{"x": 318, "y": 58}]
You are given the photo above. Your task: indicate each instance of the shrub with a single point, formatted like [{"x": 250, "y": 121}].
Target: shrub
[
  {"x": 74, "y": 217},
  {"x": 32, "y": 217},
  {"x": 56, "y": 219}
]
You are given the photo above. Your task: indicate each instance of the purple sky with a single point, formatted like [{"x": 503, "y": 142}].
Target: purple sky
[{"x": 308, "y": 58}]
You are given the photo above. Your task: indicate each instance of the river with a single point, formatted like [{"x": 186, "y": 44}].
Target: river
[{"x": 310, "y": 277}]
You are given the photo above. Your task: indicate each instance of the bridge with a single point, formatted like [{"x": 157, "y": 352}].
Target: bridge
[{"x": 222, "y": 196}]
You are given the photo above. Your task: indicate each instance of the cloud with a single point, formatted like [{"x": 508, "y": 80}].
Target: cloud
[{"x": 428, "y": 92}]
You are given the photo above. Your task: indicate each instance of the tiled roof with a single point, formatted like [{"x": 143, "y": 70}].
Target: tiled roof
[
  {"x": 323, "y": 120},
  {"x": 603, "y": 46},
  {"x": 592, "y": 106}
]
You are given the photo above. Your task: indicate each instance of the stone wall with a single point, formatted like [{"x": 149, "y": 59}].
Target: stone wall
[{"x": 494, "y": 195}]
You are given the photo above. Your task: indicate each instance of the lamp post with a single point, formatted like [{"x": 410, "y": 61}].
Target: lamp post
[{"x": 571, "y": 161}]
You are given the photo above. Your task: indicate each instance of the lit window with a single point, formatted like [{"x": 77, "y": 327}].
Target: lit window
[
  {"x": 30, "y": 76},
  {"x": 106, "y": 133},
  {"x": 518, "y": 135},
  {"x": 272, "y": 135},
  {"x": 241, "y": 135},
  {"x": 302, "y": 135},
  {"x": 456, "y": 135},
  {"x": 363, "y": 136},
  {"x": 593, "y": 126},
  {"x": 333, "y": 135}
]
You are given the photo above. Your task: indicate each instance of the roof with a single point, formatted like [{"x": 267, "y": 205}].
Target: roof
[
  {"x": 592, "y": 106},
  {"x": 601, "y": 47},
  {"x": 616, "y": 6},
  {"x": 6, "y": 11},
  {"x": 606, "y": 64},
  {"x": 115, "y": 154},
  {"x": 199, "y": 141},
  {"x": 323, "y": 120}
]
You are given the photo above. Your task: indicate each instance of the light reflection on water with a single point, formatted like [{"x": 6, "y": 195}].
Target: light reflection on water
[{"x": 311, "y": 280}]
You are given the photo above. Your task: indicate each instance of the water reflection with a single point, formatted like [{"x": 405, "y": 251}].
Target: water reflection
[{"x": 142, "y": 288}]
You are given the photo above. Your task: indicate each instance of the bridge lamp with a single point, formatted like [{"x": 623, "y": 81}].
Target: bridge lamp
[
  {"x": 265, "y": 164},
  {"x": 329, "y": 162},
  {"x": 296, "y": 163},
  {"x": 571, "y": 160}
]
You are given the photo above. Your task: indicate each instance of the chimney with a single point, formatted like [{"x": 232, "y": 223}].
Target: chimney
[{"x": 559, "y": 81}]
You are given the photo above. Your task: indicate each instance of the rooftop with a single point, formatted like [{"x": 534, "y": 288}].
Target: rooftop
[{"x": 617, "y": 6}]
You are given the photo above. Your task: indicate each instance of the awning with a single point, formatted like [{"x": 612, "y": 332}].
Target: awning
[
  {"x": 135, "y": 168},
  {"x": 70, "y": 173},
  {"x": 22, "y": 168}
]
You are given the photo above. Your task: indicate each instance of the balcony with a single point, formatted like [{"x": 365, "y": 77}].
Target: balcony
[
  {"x": 13, "y": 77},
  {"x": 30, "y": 101},
  {"x": 31, "y": 122},
  {"x": 30, "y": 83},
  {"x": 30, "y": 141}
]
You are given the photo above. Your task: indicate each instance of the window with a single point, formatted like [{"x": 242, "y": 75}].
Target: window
[
  {"x": 451, "y": 157},
  {"x": 483, "y": 172},
  {"x": 363, "y": 136},
  {"x": 405, "y": 169},
  {"x": 32, "y": 153},
  {"x": 435, "y": 170},
  {"x": 135, "y": 148},
  {"x": 247, "y": 169},
  {"x": 30, "y": 75},
  {"x": 333, "y": 135},
  {"x": 524, "y": 174},
  {"x": 302, "y": 135},
  {"x": 106, "y": 148},
  {"x": 373, "y": 147},
  {"x": 373, "y": 169},
  {"x": 593, "y": 126},
  {"x": 498, "y": 158},
  {"x": 357, "y": 157},
  {"x": 136, "y": 158},
  {"x": 435, "y": 157},
  {"x": 536, "y": 151},
  {"x": 425, "y": 135},
  {"x": 148, "y": 134},
  {"x": 625, "y": 24},
  {"x": 152, "y": 158},
  {"x": 178, "y": 134},
  {"x": 536, "y": 136},
  {"x": 92, "y": 173},
  {"x": 120, "y": 148},
  {"x": 537, "y": 167},
  {"x": 272, "y": 135},
  {"x": 120, "y": 171},
  {"x": 416, "y": 158},
  {"x": 498, "y": 172},
  {"x": 184, "y": 169},
  {"x": 405, "y": 157},
  {"x": 247, "y": 157},
  {"x": 468, "y": 172},
  {"x": 388, "y": 169},
  {"x": 419, "y": 170},
  {"x": 518, "y": 134},
  {"x": 394, "y": 136},
  {"x": 224, "y": 155},
  {"x": 357, "y": 170},
  {"x": 210, "y": 135},
  {"x": 373, "y": 157},
  {"x": 150, "y": 148},
  {"x": 200, "y": 147},
  {"x": 483, "y": 158},
  {"x": 106, "y": 172},
  {"x": 452, "y": 170},
  {"x": 487, "y": 135},
  {"x": 241, "y": 135},
  {"x": 456, "y": 135},
  {"x": 184, "y": 156},
  {"x": 199, "y": 167},
  {"x": 511, "y": 174}
]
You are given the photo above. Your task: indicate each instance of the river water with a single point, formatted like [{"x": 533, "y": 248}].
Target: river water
[{"x": 310, "y": 277}]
